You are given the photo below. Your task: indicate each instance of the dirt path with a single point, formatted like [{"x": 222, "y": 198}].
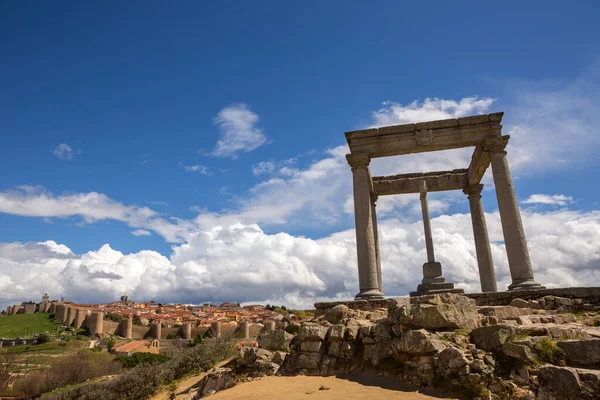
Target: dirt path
[{"x": 307, "y": 387}]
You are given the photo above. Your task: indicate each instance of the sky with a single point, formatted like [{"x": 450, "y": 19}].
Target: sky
[{"x": 195, "y": 152}]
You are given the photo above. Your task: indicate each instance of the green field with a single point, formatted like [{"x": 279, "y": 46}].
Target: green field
[{"x": 24, "y": 325}]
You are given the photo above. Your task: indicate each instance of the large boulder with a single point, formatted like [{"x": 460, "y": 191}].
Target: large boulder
[
  {"x": 338, "y": 314},
  {"x": 275, "y": 340},
  {"x": 445, "y": 311},
  {"x": 559, "y": 383},
  {"x": 312, "y": 331},
  {"x": 581, "y": 352},
  {"x": 518, "y": 351},
  {"x": 219, "y": 379},
  {"x": 491, "y": 336},
  {"x": 418, "y": 342}
]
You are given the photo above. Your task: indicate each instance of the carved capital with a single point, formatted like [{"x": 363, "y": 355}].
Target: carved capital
[
  {"x": 496, "y": 145},
  {"x": 473, "y": 189},
  {"x": 358, "y": 160}
]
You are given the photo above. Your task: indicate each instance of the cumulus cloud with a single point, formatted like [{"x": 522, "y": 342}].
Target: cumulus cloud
[
  {"x": 241, "y": 262},
  {"x": 141, "y": 232},
  {"x": 35, "y": 201},
  {"x": 239, "y": 132},
  {"x": 63, "y": 152},
  {"x": 201, "y": 169},
  {"x": 263, "y": 167},
  {"x": 554, "y": 199}
]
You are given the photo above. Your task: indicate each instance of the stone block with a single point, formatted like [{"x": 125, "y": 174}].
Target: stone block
[
  {"x": 338, "y": 314},
  {"x": 274, "y": 340},
  {"x": 352, "y": 333},
  {"x": 336, "y": 333},
  {"x": 312, "y": 331},
  {"x": 491, "y": 336},
  {"x": 311, "y": 346},
  {"x": 417, "y": 342},
  {"x": 518, "y": 351},
  {"x": 519, "y": 303},
  {"x": 581, "y": 352},
  {"x": 308, "y": 360}
]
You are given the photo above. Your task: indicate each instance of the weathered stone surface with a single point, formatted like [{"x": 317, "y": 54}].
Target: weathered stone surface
[
  {"x": 417, "y": 342},
  {"x": 279, "y": 357},
  {"x": 336, "y": 333},
  {"x": 275, "y": 340},
  {"x": 558, "y": 383},
  {"x": 492, "y": 336},
  {"x": 219, "y": 379},
  {"x": 503, "y": 312},
  {"x": 518, "y": 351},
  {"x": 312, "y": 331},
  {"x": 352, "y": 333},
  {"x": 381, "y": 331},
  {"x": 312, "y": 346},
  {"x": 293, "y": 328},
  {"x": 396, "y": 309},
  {"x": 377, "y": 352},
  {"x": 308, "y": 360},
  {"x": 581, "y": 352},
  {"x": 338, "y": 314},
  {"x": 437, "y": 312},
  {"x": 452, "y": 360},
  {"x": 519, "y": 303}
]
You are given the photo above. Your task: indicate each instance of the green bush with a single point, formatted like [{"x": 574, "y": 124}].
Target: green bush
[
  {"x": 113, "y": 317},
  {"x": 110, "y": 344},
  {"x": 550, "y": 352},
  {"x": 141, "y": 358}
]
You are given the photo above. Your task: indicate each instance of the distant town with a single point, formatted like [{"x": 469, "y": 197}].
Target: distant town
[{"x": 170, "y": 315}]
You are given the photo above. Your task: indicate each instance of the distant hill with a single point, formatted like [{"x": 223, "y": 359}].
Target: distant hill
[{"x": 24, "y": 325}]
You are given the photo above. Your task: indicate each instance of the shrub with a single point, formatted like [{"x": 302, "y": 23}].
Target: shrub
[
  {"x": 7, "y": 367},
  {"x": 141, "y": 358},
  {"x": 196, "y": 340},
  {"x": 550, "y": 352},
  {"x": 44, "y": 338},
  {"x": 68, "y": 370},
  {"x": 110, "y": 344},
  {"x": 113, "y": 317}
]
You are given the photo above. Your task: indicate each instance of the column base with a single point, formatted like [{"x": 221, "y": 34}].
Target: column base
[
  {"x": 369, "y": 294},
  {"x": 435, "y": 291},
  {"x": 525, "y": 284}
]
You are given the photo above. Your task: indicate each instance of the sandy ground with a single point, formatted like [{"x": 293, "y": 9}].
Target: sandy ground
[{"x": 307, "y": 387}]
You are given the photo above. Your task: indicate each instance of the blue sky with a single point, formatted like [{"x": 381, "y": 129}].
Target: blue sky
[{"x": 129, "y": 102}]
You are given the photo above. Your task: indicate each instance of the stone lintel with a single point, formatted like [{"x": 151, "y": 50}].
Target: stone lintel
[
  {"x": 480, "y": 161},
  {"x": 410, "y": 183},
  {"x": 424, "y": 137}
]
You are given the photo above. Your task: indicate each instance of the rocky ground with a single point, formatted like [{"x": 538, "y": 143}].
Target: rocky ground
[{"x": 544, "y": 349}]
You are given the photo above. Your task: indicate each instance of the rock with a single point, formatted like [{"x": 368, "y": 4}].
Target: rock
[
  {"x": 396, "y": 307},
  {"x": 275, "y": 340},
  {"x": 336, "y": 333},
  {"x": 293, "y": 328},
  {"x": 307, "y": 360},
  {"x": 417, "y": 342},
  {"x": 311, "y": 346},
  {"x": 491, "y": 336},
  {"x": 219, "y": 379},
  {"x": 581, "y": 352},
  {"x": 337, "y": 314},
  {"x": 519, "y": 303},
  {"x": 518, "y": 351},
  {"x": 377, "y": 352},
  {"x": 279, "y": 357},
  {"x": 452, "y": 360},
  {"x": 535, "y": 305},
  {"x": 436, "y": 312},
  {"x": 312, "y": 331},
  {"x": 352, "y": 333},
  {"x": 324, "y": 387},
  {"x": 381, "y": 331},
  {"x": 558, "y": 383}
]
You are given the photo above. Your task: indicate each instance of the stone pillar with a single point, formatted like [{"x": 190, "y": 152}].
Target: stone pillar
[
  {"x": 433, "y": 280},
  {"x": 519, "y": 262},
  {"x": 365, "y": 238},
  {"x": 216, "y": 329},
  {"x": 157, "y": 330},
  {"x": 187, "y": 330},
  {"x": 487, "y": 275},
  {"x": 374, "y": 198},
  {"x": 246, "y": 329}
]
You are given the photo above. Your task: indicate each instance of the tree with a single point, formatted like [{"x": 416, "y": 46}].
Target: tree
[
  {"x": 110, "y": 344},
  {"x": 137, "y": 320}
]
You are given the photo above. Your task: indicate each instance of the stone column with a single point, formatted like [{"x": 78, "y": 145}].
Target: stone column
[
  {"x": 365, "y": 237},
  {"x": 487, "y": 275},
  {"x": 157, "y": 329},
  {"x": 510, "y": 216},
  {"x": 433, "y": 280},
  {"x": 216, "y": 329},
  {"x": 246, "y": 328},
  {"x": 374, "y": 198}
]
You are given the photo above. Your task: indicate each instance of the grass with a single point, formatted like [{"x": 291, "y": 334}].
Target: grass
[
  {"x": 549, "y": 352},
  {"x": 25, "y": 325}
]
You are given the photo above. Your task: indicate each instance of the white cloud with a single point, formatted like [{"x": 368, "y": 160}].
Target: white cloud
[
  {"x": 201, "y": 169},
  {"x": 64, "y": 152},
  {"x": 554, "y": 199},
  {"x": 239, "y": 131},
  {"x": 263, "y": 167},
  {"x": 34, "y": 201},
  {"x": 141, "y": 232},
  {"x": 394, "y": 113},
  {"x": 241, "y": 262}
]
